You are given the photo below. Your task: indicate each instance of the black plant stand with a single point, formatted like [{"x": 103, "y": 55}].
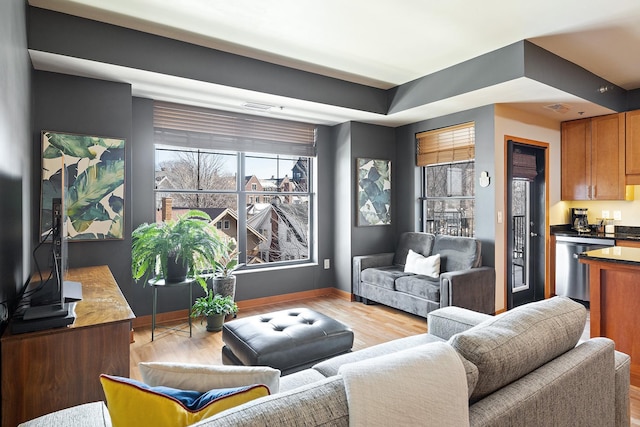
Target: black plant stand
[{"x": 159, "y": 284}]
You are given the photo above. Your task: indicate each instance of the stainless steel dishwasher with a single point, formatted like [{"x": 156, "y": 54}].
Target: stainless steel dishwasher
[{"x": 572, "y": 277}]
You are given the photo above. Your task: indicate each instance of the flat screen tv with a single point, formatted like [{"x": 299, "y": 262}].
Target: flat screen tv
[{"x": 49, "y": 298}]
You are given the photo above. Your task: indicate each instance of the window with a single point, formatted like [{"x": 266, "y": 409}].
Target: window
[
  {"x": 263, "y": 200},
  {"x": 448, "y": 175}
]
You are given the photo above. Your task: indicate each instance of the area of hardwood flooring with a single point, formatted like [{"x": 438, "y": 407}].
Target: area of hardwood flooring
[{"x": 372, "y": 324}]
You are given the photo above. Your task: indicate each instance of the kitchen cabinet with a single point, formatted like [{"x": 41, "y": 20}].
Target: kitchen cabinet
[
  {"x": 632, "y": 155},
  {"x": 593, "y": 158}
]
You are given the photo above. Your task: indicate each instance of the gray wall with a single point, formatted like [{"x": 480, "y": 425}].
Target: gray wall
[
  {"x": 353, "y": 140},
  {"x": 15, "y": 160},
  {"x": 408, "y": 175},
  {"x": 80, "y": 105}
]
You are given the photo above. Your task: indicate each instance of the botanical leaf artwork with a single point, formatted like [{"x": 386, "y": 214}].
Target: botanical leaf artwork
[
  {"x": 89, "y": 172},
  {"x": 374, "y": 192}
]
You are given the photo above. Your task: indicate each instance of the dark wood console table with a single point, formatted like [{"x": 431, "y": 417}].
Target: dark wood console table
[{"x": 49, "y": 370}]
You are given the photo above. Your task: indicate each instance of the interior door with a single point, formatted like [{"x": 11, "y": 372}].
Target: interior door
[{"x": 526, "y": 211}]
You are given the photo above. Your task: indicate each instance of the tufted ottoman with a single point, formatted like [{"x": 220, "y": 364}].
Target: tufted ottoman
[{"x": 289, "y": 340}]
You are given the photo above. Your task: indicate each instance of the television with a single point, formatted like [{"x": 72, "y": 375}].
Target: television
[{"x": 51, "y": 297}]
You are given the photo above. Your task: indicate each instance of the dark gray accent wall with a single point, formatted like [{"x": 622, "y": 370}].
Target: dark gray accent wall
[
  {"x": 354, "y": 140},
  {"x": 79, "y": 105},
  {"x": 15, "y": 149},
  {"x": 548, "y": 68},
  {"x": 495, "y": 67},
  {"x": 633, "y": 100},
  {"x": 408, "y": 177},
  {"x": 250, "y": 284},
  {"x": 97, "y": 41}
]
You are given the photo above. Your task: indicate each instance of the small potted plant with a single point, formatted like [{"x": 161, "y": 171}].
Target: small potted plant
[
  {"x": 213, "y": 307},
  {"x": 224, "y": 282},
  {"x": 174, "y": 249}
]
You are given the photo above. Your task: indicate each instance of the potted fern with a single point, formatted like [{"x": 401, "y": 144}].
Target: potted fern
[
  {"x": 174, "y": 249},
  {"x": 213, "y": 307}
]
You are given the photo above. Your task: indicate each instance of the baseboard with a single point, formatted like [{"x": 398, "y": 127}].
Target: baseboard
[{"x": 173, "y": 316}]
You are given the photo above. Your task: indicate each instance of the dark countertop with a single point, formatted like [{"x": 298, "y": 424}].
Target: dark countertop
[
  {"x": 615, "y": 254},
  {"x": 621, "y": 232}
]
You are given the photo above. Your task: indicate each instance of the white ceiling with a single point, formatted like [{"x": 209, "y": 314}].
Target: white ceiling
[{"x": 381, "y": 43}]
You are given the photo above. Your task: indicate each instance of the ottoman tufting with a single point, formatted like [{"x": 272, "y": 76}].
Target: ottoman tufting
[{"x": 289, "y": 340}]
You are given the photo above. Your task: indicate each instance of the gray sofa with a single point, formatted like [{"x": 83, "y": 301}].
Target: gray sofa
[
  {"x": 463, "y": 281},
  {"x": 522, "y": 367}
]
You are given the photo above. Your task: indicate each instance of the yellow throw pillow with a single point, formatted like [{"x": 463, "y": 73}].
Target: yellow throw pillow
[{"x": 133, "y": 403}]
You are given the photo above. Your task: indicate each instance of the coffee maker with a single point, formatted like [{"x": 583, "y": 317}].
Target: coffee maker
[{"x": 579, "y": 220}]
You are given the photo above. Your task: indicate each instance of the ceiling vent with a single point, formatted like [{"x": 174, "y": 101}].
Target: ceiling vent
[
  {"x": 558, "y": 108},
  {"x": 255, "y": 106}
]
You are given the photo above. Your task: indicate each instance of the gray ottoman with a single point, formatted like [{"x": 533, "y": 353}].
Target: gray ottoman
[{"x": 289, "y": 340}]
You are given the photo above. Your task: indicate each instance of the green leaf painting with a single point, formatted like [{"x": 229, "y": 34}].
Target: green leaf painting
[
  {"x": 89, "y": 172},
  {"x": 374, "y": 192}
]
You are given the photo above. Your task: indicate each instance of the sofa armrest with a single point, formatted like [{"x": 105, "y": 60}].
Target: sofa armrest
[
  {"x": 363, "y": 262},
  {"x": 622, "y": 379},
  {"x": 94, "y": 414},
  {"x": 447, "y": 321},
  {"x": 473, "y": 289}
]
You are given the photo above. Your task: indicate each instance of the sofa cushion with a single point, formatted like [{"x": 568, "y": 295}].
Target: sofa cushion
[
  {"x": 418, "y": 264},
  {"x": 512, "y": 344},
  {"x": 420, "y": 286},
  {"x": 206, "y": 377},
  {"x": 331, "y": 366},
  {"x": 132, "y": 402},
  {"x": 385, "y": 277},
  {"x": 421, "y": 243},
  {"x": 457, "y": 253}
]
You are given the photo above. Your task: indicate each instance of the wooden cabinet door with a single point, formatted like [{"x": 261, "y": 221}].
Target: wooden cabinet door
[
  {"x": 632, "y": 155},
  {"x": 576, "y": 160},
  {"x": 607, "y": 157}
]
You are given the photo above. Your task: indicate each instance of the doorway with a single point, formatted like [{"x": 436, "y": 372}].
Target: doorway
[{"x": 526, "y": 206}]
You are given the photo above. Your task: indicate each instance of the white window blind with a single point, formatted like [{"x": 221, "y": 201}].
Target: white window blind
[
  {"x": 196, "y": 127},
  {"x": 446, "y": 145}
]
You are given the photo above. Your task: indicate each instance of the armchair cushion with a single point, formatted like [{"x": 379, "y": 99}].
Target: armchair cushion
[
  {"x": 420, "y": 286},
  {"x": 512, "y": 344},
  {"x": 385, "y": 277},
  {"x": 457, "y": 253},
  {"x": 421, "y": 243}
]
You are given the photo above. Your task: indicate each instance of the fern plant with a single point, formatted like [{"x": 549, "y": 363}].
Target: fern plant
[{"x": 189, "y": 240}]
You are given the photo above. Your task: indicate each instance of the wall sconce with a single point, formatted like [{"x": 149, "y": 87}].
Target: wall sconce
[{"x": 604, "y": 88}]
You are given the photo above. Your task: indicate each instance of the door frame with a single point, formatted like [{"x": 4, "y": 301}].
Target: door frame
[{"x": 506, "y": 223}]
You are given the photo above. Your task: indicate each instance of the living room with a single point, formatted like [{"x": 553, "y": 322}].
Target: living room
[{"x": 39, "y": 98}]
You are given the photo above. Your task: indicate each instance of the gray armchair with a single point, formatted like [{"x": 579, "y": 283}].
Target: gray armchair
[{"x": 462, "y": 282}]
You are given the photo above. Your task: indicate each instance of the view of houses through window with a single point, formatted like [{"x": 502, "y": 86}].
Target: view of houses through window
[
  {"x": 448, "y": 202},
  {"x": 267, "y": 209},
  {"x": 447, "y": 158}
]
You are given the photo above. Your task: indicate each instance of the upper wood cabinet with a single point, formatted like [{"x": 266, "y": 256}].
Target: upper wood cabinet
[
  {"x": 632, "y": 156},
  {"x": 593, "y": 158}
]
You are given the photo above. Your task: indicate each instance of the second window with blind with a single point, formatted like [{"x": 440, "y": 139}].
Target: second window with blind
[
  {"x": 252, "y": 175},
  {"x": 447, "y": 158}
]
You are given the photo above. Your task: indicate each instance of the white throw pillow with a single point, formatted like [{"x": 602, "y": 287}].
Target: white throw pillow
[
  {"x": 206, "y": 377},
  {"x": 418, "y": 264}
]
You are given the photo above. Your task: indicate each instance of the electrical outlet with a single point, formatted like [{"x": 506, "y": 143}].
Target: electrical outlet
[
  {"x": 617, "y": 215},
  {"x": 327, "y": 264},
  {"x": 605, "y": 214}
]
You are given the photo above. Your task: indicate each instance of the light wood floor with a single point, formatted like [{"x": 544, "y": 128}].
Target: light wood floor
[{"x": 372, "y": 324}]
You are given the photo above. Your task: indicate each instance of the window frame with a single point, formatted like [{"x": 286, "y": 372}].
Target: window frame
[{"x": 242, "y": 195}]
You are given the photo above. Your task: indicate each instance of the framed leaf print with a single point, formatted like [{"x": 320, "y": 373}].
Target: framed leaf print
[
  {"x": 88, "y": 171},
  {"x": 374, "y": 192}
]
